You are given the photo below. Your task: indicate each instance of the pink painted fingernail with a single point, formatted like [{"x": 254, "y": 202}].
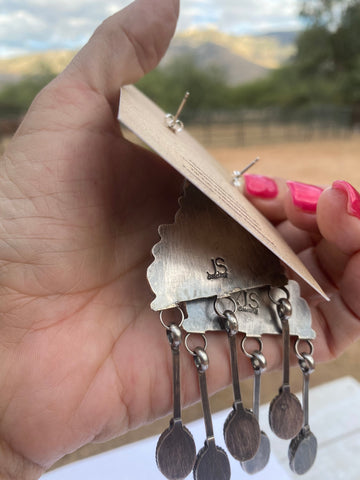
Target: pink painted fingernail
[
  {"x": 260, "y": 186},
  {"x": 353, "y": 197},
  {"x": 304, "y": 196}
]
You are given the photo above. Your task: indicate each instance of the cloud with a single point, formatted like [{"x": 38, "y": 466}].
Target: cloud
[
  {"x": 28, "y": 25},
  {"x": 236, "y": 16}
]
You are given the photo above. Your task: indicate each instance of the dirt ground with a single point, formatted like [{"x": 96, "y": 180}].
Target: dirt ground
[{"x": 318, "y": 162}]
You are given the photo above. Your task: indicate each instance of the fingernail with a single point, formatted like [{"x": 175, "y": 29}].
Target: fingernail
[
  {"x": 353, "y": 197},
  {"x": 304, "y": 196},
  {"x": 260, "y": 186}
]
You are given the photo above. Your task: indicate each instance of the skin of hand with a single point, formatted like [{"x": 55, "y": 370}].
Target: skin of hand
[{"x": 82, "y": 356}]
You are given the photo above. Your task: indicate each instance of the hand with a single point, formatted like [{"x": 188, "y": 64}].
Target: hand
[
  {"x": 322, "y": 225},
  {"x": 80, "y": 208},
  {"x": 82, "y": 356}
]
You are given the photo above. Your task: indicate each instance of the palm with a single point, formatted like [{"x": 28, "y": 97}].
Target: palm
[
  {"x": 86, "y": 281},
  {"x": 79, "y": 220}
]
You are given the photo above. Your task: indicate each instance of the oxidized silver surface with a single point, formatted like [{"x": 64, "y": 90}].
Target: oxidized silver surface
[
  {"x": 206, "y": 253},
  {"x": 256, "y": 314}
]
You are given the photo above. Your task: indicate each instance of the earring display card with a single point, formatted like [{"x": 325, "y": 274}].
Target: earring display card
[{"x": 186, "y": 155}]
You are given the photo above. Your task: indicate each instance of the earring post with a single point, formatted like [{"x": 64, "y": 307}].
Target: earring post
[
  {"x": 181, "y": 106},
  {"x": 239, "y": 174}
]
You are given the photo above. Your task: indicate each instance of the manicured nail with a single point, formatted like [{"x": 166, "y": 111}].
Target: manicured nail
[
  {"x": 304, "y": 196},
  {"x": 353, "y": 197},
  {"x": 260, "y": 186}
]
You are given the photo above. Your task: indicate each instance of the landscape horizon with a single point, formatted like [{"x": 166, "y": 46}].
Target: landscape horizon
[{"x": 243, "y": 58}]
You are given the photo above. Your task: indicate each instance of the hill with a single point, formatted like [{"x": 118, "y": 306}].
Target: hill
[
  {"x": 267, "y": 50},
  {"x": 236, "y": 68},
  {"x": 241, "y": 58},
  {"x": 32, "y": 64}
]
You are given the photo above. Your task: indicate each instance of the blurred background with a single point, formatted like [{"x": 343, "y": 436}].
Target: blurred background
[
  {"x": 279, "y": 79},
  {"x": 257, "y": 73}
]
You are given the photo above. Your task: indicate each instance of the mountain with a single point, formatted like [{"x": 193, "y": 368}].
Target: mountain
[
  {"x": 268, "y": 50},
  {"x": 241, "y": 58},
  {"x": 32, "y": 64},
  {"x": 236, "y": 69},
  {"x": 284, "y": 38},
  {"x": 6, "y": 78}
]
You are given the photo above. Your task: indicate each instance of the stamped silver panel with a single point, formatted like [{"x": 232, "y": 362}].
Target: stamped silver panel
[
  {"x": 206, "y": 253},
  {"x": 256, "y": 313}
]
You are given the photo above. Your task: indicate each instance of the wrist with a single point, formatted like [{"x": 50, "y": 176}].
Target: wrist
[{"x": 14, "y": 466}]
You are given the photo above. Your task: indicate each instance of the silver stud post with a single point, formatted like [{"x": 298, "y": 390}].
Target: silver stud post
[
  {"x": 172, "y": 121},
  {"x": 237, "y": 174}
]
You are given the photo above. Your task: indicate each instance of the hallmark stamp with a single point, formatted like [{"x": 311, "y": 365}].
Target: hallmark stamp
[
  {"x": 219, "y": 267},
  {"x": 247, "y": 301}
]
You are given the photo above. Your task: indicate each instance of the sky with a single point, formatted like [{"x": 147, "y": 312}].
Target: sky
[{"x": 35, "y": 25}]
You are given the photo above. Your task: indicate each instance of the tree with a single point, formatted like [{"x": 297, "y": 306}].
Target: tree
[
  {"x": 328, "y": 50},
  {"x": 346, "y": 39},
  {"x": 15, "y": 98},
  {"x": 314, "y": 51},
  {"x": 325, "y": 13},
  {"x": 167, "y": 86}
]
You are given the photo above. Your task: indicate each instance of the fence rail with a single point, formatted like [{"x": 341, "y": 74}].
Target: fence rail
[
  {"x": 256, "y": 127},
  {"x": 253, "y": 127}
]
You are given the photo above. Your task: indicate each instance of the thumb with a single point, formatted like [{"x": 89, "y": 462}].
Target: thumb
[
  {"x": 126, "y": 46},
  {"x": 122, "y": 49},
  {"x": 72, "y": 115}
]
